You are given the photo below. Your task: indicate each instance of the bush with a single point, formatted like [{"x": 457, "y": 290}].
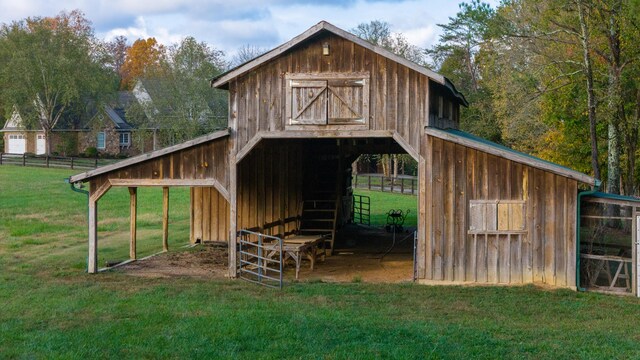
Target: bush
[{"x": 91, "y": 152}]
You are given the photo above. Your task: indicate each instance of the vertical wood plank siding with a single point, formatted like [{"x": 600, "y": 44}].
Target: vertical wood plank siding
[
  {"x": 398, "y": 96},
  {"x": 270, "y": 184},
  {"x": 544, "y": 252},
  {"x": 204, "y": 161}
]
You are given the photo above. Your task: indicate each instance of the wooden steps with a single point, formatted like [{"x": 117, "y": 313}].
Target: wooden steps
[{"x": 318, "y": 217}]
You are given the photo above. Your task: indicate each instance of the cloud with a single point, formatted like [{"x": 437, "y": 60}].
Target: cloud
[{"x": 228, "y": 25}]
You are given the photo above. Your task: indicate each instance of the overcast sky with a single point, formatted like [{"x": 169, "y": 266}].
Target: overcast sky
[{"x": 230, "y": 24}]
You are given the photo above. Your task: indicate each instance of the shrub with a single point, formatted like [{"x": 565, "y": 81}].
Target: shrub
[{"x": 91, "y": 152}]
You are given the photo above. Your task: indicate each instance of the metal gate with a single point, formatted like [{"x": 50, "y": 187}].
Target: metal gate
[
  {"x": 260, "y": 258},
  {"x": 361, "y": 209}
]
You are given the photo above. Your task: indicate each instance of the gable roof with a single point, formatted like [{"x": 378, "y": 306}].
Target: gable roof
[
  {"x": 222, "y": 80},
  {"x": 148, "y": 156},
  {"x": 14, "y": 123},
  {"x": 474, "y": 142}
]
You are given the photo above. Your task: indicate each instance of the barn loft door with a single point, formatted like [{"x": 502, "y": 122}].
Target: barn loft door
[
  {"x": 346, "y": 101},
  {"x": 309, "y": 102},
  {"x": 335, "y": 99}
]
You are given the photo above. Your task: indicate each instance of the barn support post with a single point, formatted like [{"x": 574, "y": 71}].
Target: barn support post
[
  {"x": 92, "y": 261},
  {"x": 165, "y": 219},
  {"x": 94, "y": 195},
  {"x": 133, "y": 202}
]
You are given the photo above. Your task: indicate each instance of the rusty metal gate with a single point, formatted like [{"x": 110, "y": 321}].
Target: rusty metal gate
[{"x": 260, "y": 258}]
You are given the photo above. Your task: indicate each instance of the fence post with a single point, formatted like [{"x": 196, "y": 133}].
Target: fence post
[
  {"x": 393, "y": 180},
  {"x": 24, "y": 159},
  {"x": 1, "y": 153},
  {"x": 96, "y": 162},
  {"x": 47, "y": 160},
  {"x": 369, "y": 179},
  {"x": 401, "y": 185},
  {"x": 72, "y": 163}
]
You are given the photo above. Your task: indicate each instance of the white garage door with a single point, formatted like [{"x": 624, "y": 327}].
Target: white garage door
[
  {"x": 40, "y": 145},
  {"x": 17, "y": 144}
]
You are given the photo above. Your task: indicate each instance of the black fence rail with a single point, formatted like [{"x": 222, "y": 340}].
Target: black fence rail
[
  {"x": 61, "y": 162},
  {"x": 402, "y": 184}
]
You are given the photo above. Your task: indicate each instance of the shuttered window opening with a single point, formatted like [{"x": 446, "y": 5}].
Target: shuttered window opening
[
  {"x": 327, "y": 99},
  {"x": 489, "y": 216}
]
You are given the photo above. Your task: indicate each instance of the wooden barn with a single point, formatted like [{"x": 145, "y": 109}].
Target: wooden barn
[{"x": 300, "y": 114}]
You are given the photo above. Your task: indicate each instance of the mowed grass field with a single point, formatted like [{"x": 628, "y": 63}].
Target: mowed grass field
[{"x": 50, "y": 308}]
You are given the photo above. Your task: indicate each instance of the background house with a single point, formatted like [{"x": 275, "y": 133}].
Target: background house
[{"x": 91, "y": 130}]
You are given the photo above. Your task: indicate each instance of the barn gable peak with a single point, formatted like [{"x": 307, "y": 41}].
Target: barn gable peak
[{"x": 222, "y": 80}]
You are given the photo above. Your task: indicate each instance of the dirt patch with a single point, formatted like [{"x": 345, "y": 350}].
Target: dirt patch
[
  {"x": 208, "y": 260},
  {"x": 361, "y": 255}
]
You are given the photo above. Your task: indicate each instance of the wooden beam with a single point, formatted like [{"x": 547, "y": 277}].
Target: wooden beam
[
  {"x": 95, "y": 196},
  {"x": 325, "y": 133},
  {"x": 172, "y": 182},
  {"x": 405, "y": 145},
  {"x": 165, "y": 218},
  {"x": 148, "y": 156},
  {"x": 133, "y": 206},
  {"x": 92, "y": 266},
  {"x": 246, "y": 149},
  {"x": 511, "y": 155}
]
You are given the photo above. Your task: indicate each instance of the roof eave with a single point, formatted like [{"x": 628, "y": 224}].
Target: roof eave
[
  {"x": 85, "y": 176},
  {"x": 511, "y": 155}
]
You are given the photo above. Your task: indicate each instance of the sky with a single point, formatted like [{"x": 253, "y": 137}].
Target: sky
[{"x": 230, "y": 24}]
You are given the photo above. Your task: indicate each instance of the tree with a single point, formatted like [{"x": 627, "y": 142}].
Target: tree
[
  {"x": 379, "y": 33},
  {"x": 246, "y": 53},
  {"x": 117, "y": 49},
  {"x": 182, "y": 104},
  {"x": 458, "y": 56},
  {"x": 143, "y": 58},
  {"x": 47, "y": 65}
]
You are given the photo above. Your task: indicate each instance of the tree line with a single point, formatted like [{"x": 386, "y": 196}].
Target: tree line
[
  {"x": 554, "y": 78},
  {"x": 54, "y": 68}
]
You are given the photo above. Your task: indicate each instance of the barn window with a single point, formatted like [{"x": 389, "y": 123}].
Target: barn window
[
  {"x": 100, "y": 141},
  {"x": 327, "y": 99},
  {"x": 496, "y": 215}
]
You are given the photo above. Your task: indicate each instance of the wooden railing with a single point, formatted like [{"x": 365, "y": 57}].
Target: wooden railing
[
  {"x": 403, "y": 184},
  {"x": 62, "y": 162}
]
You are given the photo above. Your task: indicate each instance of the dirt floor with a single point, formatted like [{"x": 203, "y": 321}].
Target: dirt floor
[{"x": 361, "y": 254}]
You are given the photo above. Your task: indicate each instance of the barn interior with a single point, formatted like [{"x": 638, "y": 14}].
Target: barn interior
[{"x": 306, "y": 188}]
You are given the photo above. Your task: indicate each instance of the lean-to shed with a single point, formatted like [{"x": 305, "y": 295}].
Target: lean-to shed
[{"x": 300, "y": 114}]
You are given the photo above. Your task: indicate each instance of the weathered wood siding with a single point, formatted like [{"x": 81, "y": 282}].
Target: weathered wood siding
[
  {"x": 204, "y": 161},
  {"x": 209, "y": 215},
  {"x": 544, "y": 252},
  {"x": 270, "y": 182},
  {"x": 398, "y": 96}
]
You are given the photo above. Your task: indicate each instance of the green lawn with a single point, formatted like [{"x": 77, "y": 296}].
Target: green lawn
[
  {"x": 382, "y": 202},
  {"x": 50, "y": 308}
]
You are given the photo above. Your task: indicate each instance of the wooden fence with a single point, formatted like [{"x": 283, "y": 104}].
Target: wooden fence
[
  {"x": 403, "y": 184},
  {"x": 53, "y": 161}
]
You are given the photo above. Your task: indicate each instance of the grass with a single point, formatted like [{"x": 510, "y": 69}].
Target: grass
[
  {"x": 50, "y": 308},
  {"x": 382, "y": 202}
]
